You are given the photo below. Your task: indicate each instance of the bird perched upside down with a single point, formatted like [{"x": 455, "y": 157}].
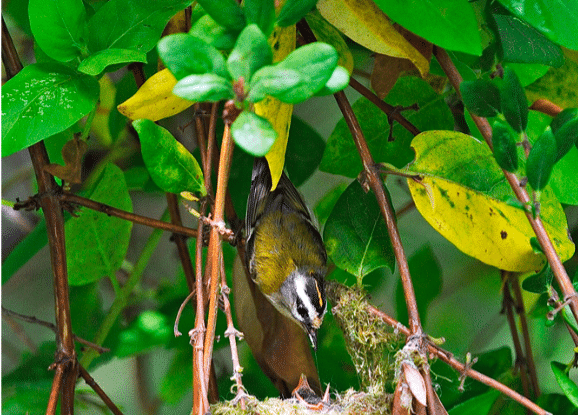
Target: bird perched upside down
[{"x": 284, "y": 252}]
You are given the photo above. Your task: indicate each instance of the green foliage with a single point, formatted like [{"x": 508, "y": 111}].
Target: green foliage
[
  {"x": 514, "y": 103},
  {"x": 505, "y": 151},
  {"x": 96, "y": 243},
  {"x": 355, "y": 235},
  {"x": 449, "y": 24},
  {"x": 170, "y": 164},
  {"x": 228, "y": 54},
  {"x": 42, "y": 100},
  {"x": 541, "y": 161},
  {"x": 253, "y": 133}
]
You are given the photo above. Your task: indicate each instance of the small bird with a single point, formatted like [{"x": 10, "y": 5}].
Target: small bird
[{"x": 284, "y": 251}]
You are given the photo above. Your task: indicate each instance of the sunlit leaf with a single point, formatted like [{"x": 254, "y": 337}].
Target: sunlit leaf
[
  {"x": 155, "y": 100},
  {"x": 253, "y": 133},
  {"x": 42, "y": 100},
  {"x": 462, "y": 193},
  {"x": 365, "y": 23},
  {"x": 99, "y": 61},
  {"x": 569, "y": 388},
  {"x": 541, "y": 161},
  {"x": 172, "y": 167}
]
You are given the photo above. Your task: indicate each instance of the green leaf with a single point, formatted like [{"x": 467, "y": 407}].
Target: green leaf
[
  {"x": 227, "y": 13},
  {"x": 250, "y": 53},
  {"x": 565, "y": 137},
  {"x": 553, "y": 18},
  {"x": 253, "y": 133},
  {"x": 59, "y": 27},
  {"x": 539, "y": 283},
  {"x": 96, "y": 243},
  {"x": 569, "y": 388},
  {"x": 522, "y": 43},
  {"x": 565, "y": 116},
  {"x": 293, "y": 11},
  {"x": 214, "y": 34},
  {"x": 325, "y": 206},
  {"x": 24, "y": 251},
  {"x": 564, "y": 180},
  {"x": 131, "y": 24},
  {"x": 188, "y": 55},
  {"x": 514, "y": 104},
  {"x": 261, "y": 13},
  {"x": 42, "y": 100},
  {"x": 480, "y": 404},
  {"x": 355, "y": 234},
  {"x": 315, "y": 64},
  {"x": 274, "y": 81},
  {"x": 341, "y": 156},
  {"x": 482, "y": 97},
  {"x": 464, "y": 195},
  {"x": 171, "y": 166},
  {"x": 86, "y": 307},
  {"x": 556, "y": 404},
  {"x": 338, "y": 81},
  {"x": 27, "y": 397},
  {"x": 178, "y": 379},
  {"x": 426, "y": 274},
  {"x": 99, "y": 61},
  {"x": 541, "y": 161},
  {"x": 446, "y": 23},
  {"x": 204, "y": 88},
  {"x": 148, "y": 331},
  {"x": 505, "y": 151},
  {"x": 304, "y": 151}
]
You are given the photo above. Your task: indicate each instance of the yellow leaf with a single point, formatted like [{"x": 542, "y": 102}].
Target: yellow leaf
[
  {"x": 324, "y": 32},
  {"x": 282, "y": 40},
  {"x": 155, "y": 99},
  {"x": 482, "y": 226},
  {"x": 365, "y": 23}
]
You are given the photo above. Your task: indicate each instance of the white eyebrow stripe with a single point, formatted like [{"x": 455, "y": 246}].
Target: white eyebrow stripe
[{"x": 300, "y": 284}]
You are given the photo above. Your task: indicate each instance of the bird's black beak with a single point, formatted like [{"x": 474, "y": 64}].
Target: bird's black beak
[{"x": 312, "y": 336}]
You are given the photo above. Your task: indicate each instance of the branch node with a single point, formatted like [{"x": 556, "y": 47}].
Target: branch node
[{"x": 467, "y": 366}]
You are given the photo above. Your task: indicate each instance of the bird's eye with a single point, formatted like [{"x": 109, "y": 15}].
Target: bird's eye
[{"x": 302, "y": 311}]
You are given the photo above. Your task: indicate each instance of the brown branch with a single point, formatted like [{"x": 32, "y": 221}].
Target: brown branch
[
  {"x": 448, "y": 358},
  {"x": 65, "y": 376},
  {"x": 34, "y": 320},
  {"x": 520, "y": 310},
  {"x": 103, "y": 396},
  {"x": 55, "y": 390},
  {"x": 521, "y": 194},
  {"x": 376, "y": 184},
  {"x": 389, "y": 110},
  {"x": 215, "y": 251},
  {"x": 507, "y": 307},
  {"x": 123, "y": 214}
]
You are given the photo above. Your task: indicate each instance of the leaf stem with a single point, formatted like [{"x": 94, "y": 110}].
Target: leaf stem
[{"x": 121, "y": 299}]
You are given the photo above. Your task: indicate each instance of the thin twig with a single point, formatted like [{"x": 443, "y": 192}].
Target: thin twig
[
  {"x": 448, "y": 358},
  {"x": 389, "y": 110},
  {"x": 521, "y": 194},
  {"x": 520, "y": 310},
  {"x": 507, "y": 303},
  {"x": 55, "y": 390},
  {"x": 123, "y": 214},
  {"x": 103, "y": 396},
  {"x": 34, "y": 320},
  {"x": 19, "y": 331},
  {"x": 232, "y": 333}
]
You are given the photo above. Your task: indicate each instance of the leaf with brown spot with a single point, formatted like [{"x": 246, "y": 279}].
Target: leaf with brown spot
[{"x": 72, "y": 153}]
